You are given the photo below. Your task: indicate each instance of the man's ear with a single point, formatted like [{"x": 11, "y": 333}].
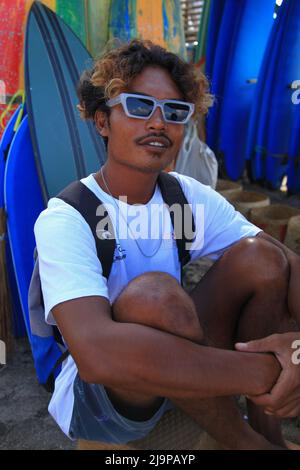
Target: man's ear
[{"x": 101, "y": 122}]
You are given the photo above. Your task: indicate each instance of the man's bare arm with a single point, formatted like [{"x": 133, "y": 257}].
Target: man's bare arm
[
  {"x": 294, "y": 265},
  {"x": 284, "y": 398},
  {"x": 141, "y": 358}
]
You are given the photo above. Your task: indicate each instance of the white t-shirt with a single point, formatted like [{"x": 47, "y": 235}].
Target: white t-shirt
[{"x": 69, "y": 266}]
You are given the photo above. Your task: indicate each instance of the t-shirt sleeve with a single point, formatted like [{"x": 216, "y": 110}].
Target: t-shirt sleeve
[
  {"x": 218, "y": 224},
  {"x": 68, "y": 262}
]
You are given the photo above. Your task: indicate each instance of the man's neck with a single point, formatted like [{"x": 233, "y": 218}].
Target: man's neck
[{"x": 136, "y": 185}]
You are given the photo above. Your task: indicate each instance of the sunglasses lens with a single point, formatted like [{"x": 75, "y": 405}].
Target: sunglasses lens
[
  {"x": 141, "y": 107},
  {"x": 176, "y": 112}
]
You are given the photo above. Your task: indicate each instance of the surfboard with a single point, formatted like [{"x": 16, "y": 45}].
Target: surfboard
[
  {"x": 213, "y": 28},
  {"x": 256, "y": 144},
  {"x": 4, "y": 147},
  {"x": 244, "y": 58},
  {"x": 228, "y": 24},
  {"x": 18, "y": 324},
  {"x": 278, "y": 128},
  {"x": 97, "y": 17},
  {"x": 159, "y": 21},
  {"x": 65, "y": 147},
  {"x": 21, "y": 179}
]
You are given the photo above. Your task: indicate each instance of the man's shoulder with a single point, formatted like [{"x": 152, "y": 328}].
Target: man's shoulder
[
  {"x": 58, "y": 209},
  {"x": 192, "y": 188},
  {"x": 58, "y": 216}
]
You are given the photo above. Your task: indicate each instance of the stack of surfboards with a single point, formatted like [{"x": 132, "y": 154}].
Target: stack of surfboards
[
  {"x": 83, "y": 17},
  {"x": 14, "y": 306},
  {"x": 52, "y": 146},
  {"x": 237, "y": 37},
  {"x": 94, "y": 22},
  {"x": 252, "y": 59},
  {"x": 273, "y": 140}
]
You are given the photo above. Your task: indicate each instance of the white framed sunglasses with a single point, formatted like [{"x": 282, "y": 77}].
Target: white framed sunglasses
[{"x": 143, "y": 107}]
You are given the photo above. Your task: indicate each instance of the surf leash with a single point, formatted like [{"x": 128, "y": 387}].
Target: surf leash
[{"x": 12, "y": 101}]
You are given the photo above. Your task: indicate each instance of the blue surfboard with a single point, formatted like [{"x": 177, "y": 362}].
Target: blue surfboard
[
  {"x": 228, "y": 24},
  {"x": 65, "y": 147},
  {"x": 272, "y": 118},
  {"x": 23, "y": 204},
  {"x": 18, "y": 324},
  {"x": 256, "y": 144},
  {"x": 244, "y": 58},
  {"x": 214, "y": 22},
  {"x": 5, "y": 142},
  {"x": 279, "y": 127}
]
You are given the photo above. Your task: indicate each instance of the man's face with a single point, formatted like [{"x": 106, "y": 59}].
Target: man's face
[{"x": 127, "y": 135}]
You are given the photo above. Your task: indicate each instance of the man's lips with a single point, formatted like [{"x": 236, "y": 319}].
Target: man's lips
[{"x": 155, "y": 141}]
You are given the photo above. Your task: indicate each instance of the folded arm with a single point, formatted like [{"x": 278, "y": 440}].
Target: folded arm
[
  {"x": 284, "y": 398},
  {"x": 141, "y": 358}
]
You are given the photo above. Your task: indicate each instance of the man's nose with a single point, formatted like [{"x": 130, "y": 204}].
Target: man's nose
[{"x": 157, "y": 120}]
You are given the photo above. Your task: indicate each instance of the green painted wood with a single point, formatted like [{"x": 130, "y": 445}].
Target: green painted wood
[{"x": 73, "y": 13}]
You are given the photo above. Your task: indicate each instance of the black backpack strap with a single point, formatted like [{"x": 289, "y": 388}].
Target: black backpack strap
[
  {"x": 49, "y": 385},
  {"x": 172, "y": 193},
  {"x": 84, "y": 200}
]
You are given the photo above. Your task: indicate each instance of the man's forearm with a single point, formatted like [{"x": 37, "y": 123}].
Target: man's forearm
[{"x": 157, "y": 363}]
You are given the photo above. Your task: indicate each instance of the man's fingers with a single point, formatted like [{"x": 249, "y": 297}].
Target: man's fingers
[
  {"x": 263, "y": 400},
  {"x": 258, "y": 345},
  {"x": 292, "y": 403},
  {"x": 276, "y": 398},
  {"x": 289, "y": 411}
]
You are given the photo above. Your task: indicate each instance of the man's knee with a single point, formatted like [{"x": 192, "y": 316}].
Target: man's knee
[
  {"x": 258, "y": 261},
  {"x": 156, "y": 299}
]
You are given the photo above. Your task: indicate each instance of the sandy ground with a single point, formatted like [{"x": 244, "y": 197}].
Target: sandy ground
[{"x": 24, "y": 419}]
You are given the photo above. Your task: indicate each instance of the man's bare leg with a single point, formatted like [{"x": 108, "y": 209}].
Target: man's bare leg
[
  {"x": 157, "y": 300},
  {"x": 243, "y": 297}
]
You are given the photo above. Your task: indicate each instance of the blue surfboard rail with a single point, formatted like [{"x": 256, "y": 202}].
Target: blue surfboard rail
[
  {"x": 287, "y": 70},
  {"x": 244, "y": 61},
  {"x": 214, "y": 22},
  {"x": 5, "y": 142},
  {"x": 256, "y": 141},
  {"x": 18, "y": 325},
  {"x": 65, "y": 147},
  {"x": 228, "y": 26},
  {"x": 21, "y": 179}
]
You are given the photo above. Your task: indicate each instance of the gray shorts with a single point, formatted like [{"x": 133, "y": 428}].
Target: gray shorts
[{"x": 95, "y": 418}]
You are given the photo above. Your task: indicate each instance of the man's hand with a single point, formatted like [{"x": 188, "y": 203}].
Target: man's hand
[{"x": 283, "y": 401}]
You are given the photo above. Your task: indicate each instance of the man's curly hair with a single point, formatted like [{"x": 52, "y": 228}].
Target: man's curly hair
[{"x": 113, "y": 72}]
